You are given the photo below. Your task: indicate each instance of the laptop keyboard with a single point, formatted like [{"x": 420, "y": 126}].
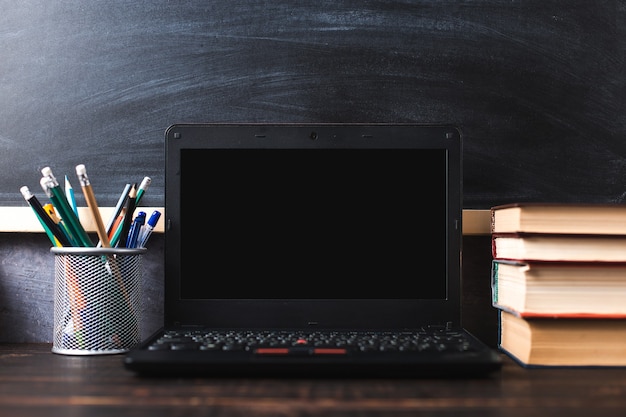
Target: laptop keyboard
[{"x": 281, "y": 342}]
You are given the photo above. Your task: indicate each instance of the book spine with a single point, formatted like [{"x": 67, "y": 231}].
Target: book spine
[
  {"x": 494, "y": 282},
  {"x": 494, "y": 251},
  {"x": 499, "y": 338}
]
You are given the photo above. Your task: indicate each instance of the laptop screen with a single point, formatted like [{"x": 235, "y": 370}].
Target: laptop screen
[
  {"x": 335, "y": 225},
  {"x": 313, "y": 223}
]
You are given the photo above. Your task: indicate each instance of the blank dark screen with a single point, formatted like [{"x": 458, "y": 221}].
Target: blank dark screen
[{"x": 313, "y": 223}]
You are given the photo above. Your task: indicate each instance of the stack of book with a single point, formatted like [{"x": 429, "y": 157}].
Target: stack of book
[{"x": 558, "y": 279}]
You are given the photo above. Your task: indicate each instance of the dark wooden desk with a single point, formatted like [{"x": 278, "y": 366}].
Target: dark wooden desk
[{"x": 35, "y": 382}]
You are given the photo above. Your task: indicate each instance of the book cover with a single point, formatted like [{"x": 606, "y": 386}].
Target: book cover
[
  {"x": 566, "y": 218},
  {"x": 558, "y": 247},
  {"x": 574, "y": 342},
  {"x": 560, "y": 289}
]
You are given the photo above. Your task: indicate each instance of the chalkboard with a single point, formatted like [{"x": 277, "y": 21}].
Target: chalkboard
[{"x": 537, "y": 87}]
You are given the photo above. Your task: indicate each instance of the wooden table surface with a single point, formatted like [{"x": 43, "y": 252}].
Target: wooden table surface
[{"x": 35, "y": 382}]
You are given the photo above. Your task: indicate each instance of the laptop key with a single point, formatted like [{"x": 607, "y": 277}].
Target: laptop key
[
  {"x": 300, "y": 351},
  {"x": 159, "y": 346},
  {"x": 185, "y": 346},
  {"x": 210, "y": 347},
  {"x": 233, "y": 347}
]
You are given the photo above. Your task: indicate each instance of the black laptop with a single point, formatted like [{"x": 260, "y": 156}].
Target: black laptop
[{"x": 313, "y": 250}]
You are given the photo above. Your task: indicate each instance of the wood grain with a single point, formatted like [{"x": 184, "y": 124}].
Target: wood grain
[{"x": 35, "y": 382}]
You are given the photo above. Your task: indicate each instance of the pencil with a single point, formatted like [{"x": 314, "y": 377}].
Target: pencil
[
  {"x": 49, "y": 209},
  {"x": 81, "y": 172},
  {"x": 118, "y": 209},
  {"x": 69, "y": 194},
  {"x": 52, "y": 229},
  {"x": 143, "y": 186},
  {"x": 122, "y": 231},
  {"x": 51, "y": 186}
]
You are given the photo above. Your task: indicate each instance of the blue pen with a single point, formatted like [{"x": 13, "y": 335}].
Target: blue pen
[
  {"x": 146, "y": 230},
  {"x": 133, "y": 233}
]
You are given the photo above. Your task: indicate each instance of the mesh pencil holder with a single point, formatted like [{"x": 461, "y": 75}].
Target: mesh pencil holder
[{"x": 97, "y": 300}]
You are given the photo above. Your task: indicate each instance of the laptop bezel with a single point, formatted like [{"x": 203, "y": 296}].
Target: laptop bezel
[{"x": 311, "y": 313}]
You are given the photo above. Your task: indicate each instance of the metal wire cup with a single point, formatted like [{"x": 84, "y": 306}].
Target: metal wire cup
[{"x": 97, "y": 300}]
